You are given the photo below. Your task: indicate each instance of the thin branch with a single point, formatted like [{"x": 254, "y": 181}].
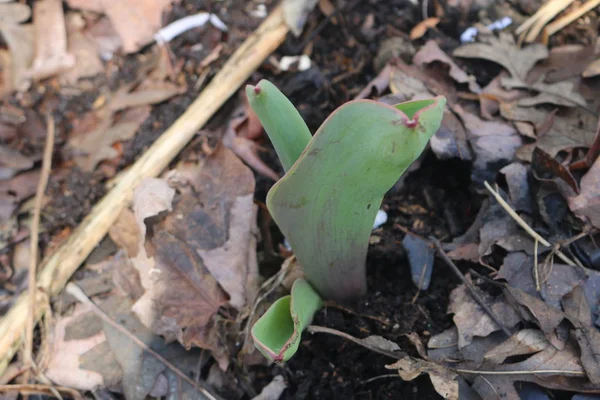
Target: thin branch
[
  {"x": 360, "y": 342},
  {"x": 470, "y": 287},
  {"x": 41, "y": 389},
  {"x": 524, "y": 225},
  {"x": 78, "y": 294},
  {"x": 33, "y": 248},
  {"x": 531, "y": 372}
]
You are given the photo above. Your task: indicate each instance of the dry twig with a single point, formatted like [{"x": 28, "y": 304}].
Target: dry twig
[{"x": 34, "y": 245}]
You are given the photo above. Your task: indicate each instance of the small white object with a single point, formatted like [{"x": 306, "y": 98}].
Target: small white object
[
  {"x": 303, "y": 61},
  {"x": 469, "y": 34},
  {"x": 184, "y": 24},
  {"x": 380, "y": 219},
  {"x": 260, "y": 11}
]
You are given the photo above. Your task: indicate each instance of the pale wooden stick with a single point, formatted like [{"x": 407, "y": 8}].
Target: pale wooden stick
[
  {"x": 560, "y": 23},
  {"x": 58, "y": 268},
  {"x": 34, "y": 243},
  {"x": 534, "y": 25}
]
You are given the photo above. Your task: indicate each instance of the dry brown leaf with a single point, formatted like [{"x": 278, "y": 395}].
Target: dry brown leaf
[
  {"x": 578, "y": 310},
  {"x": 431, "y": 52},
  {"x": 571, "y": 130},
  {"x": 493, "y": 94},
  {"x": 51, "y": 56},
  {"x": 587, "y": 204},
  {"x": 559, "y": 93},
  {"x": 593, "y": 69},
  {"x": 564, "y": 363},
  {"x": 471, "y": 320},
  {"x": 87, "y": 62},
  {"x": 419, "y": 30},
  {"x": 96, "y": 145},
  {"x": 526, "y": 341},
  {"x": 136, "y": 21},
  {"x": 494, "y": 144},
  {"x": 125, "y": 233},
  {"x": 12, "y": 162},
  {"x": 20, "y": 40},
  {"x": 444, "y": 381},
  {"x": 147, "y": 93},
  {"x": 503, "y": 51}
]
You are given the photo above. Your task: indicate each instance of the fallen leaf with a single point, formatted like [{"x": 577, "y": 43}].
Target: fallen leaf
[
  {"x": 547, "y": 167},
  {"x": 15, "y": 190},
  {"x": 125, "y": 233},
  {"x": 570, "y": 130},
  {"x": 12, "y": 162},
  {"x": 587, "y": 204},
  {"x": 534, "y": 310},
  {"x": 503, "y": 50},
  {"x": 51, "y": 56},
  {"x": 97, "y": 144},
  {"x": 593, "y": 69},
  {"x": 494, "y": 144},
  {"x": 559, "y": 93},
  {"x": 526, "y": 341},
  {"x": 559, "y": 65},
  {"x": 471, "y": 320},
  {"x": 87, "y": 62},
  {"x": 20, "y": 40},
  {"x": 578, "y": 310},
  {"x": 517, "y": 180},
  {"x": 450, "y": 141},
  {"x": 136, "y": 21},
  {"x": 419, "y": 30},
  {"x": 431, "y": 52},
  {"x": 219, "y": 222},
  {"x": 149, "y": 92},
  {"x": 63, "y": 365},
  {"x": 106, "y": 40},
  {"x": 493, "y": 94},
  {"x": 444, "y": 381}
]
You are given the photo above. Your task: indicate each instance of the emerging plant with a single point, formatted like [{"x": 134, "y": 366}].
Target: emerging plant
[{"x": 328, "y": 199}]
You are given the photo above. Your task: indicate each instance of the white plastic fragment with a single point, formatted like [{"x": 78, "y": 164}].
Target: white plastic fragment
[
  {"x": 184, "y": 24},
  {"x": 287, "y": 61},
  {"x": 260, "y": 11},
  {"x": 380, "y": 219},
  {"x": 469, "y": 34}
]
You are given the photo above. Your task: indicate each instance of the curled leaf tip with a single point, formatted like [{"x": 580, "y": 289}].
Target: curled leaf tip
[{"x": 257, "y": 90}]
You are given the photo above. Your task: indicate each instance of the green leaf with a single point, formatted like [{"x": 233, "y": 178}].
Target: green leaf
[
  {"x": 283, "y": 123},
  {"x": 326, "y": 203},
  {"x": 277, "y": 333}
]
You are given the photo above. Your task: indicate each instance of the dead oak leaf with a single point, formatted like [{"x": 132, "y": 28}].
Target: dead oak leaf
[
  {"x": 559, "y": 93},
  {"x": 503, "y": 51},
  {"x": 569, "y": 130}
]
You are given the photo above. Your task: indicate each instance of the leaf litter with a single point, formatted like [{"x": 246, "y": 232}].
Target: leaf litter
[{"x": 194, "y": 229}]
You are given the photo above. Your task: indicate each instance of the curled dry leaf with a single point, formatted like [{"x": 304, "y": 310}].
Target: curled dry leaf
[
  {"x": 526, "y": 341},
  {"x": 444, "y": 381},
  {"x": 431, "y": 52},
  {"x": 547, "y": 167}
]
